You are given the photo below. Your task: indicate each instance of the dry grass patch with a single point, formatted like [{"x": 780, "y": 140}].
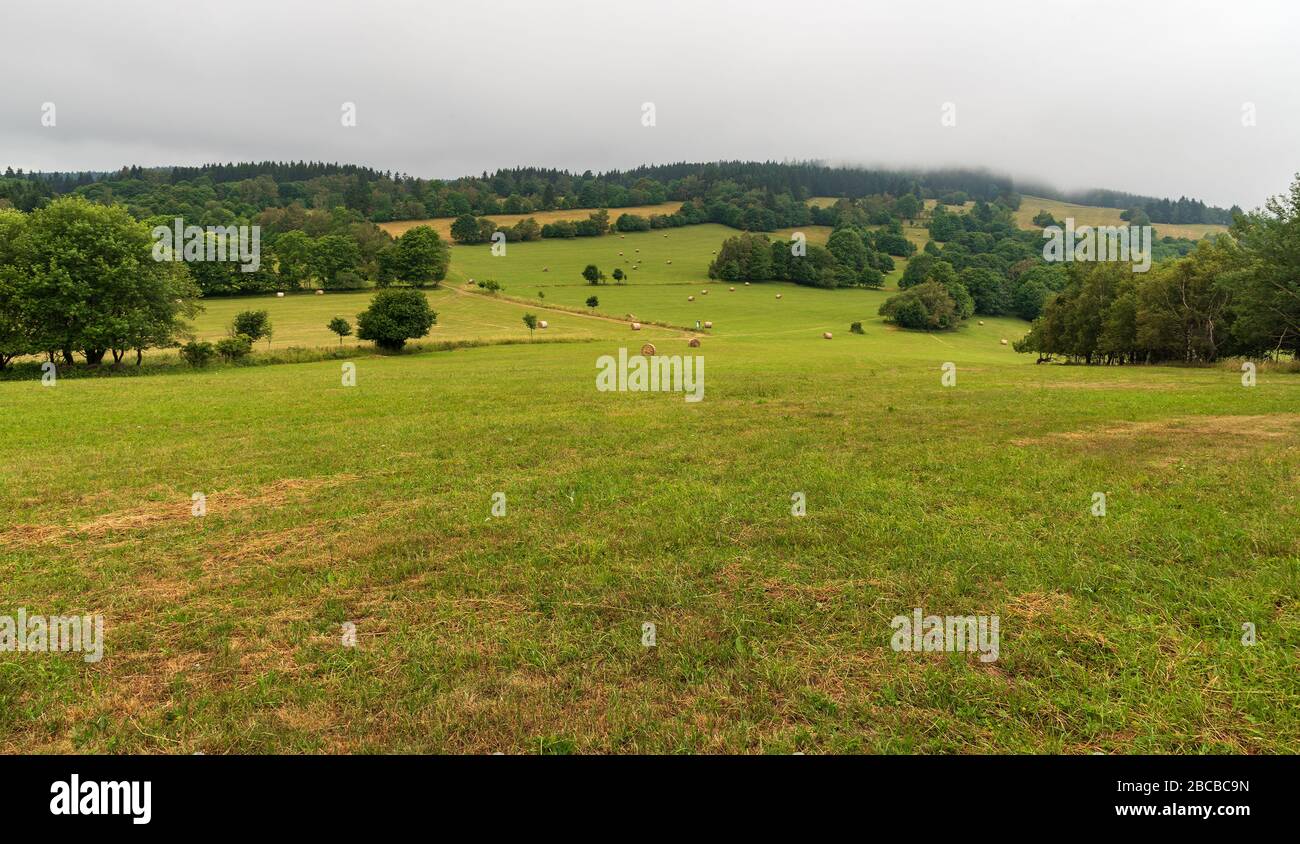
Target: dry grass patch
[{"x": 1272, "y": 427}]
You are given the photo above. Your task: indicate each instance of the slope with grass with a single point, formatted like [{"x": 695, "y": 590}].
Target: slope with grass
[
  {"x": 372, "y": 506},
  {"x": 443, "y": 224},
  {"x": 1091, "y": 215}
]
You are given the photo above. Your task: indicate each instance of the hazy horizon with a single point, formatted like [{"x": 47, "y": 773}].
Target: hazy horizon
[{"x": 449, "y": 92}]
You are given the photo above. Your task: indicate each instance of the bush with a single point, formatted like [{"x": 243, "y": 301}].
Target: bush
[
  {"x": 871, "y": 277},
  {"x": 856, "y": 328},
  {"x": 252, "y": 324},
  {"x": 340, "y": 326},
  {"x": 235, "y": 348},
  {"x": 198, "y": 354},
  {"x": 346, "y": 280},
  {"x": 395, "y": 316},
  {"x": 926, "y": 306}
]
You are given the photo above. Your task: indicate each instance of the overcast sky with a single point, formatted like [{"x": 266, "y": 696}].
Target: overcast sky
[{"x": 1140, "y": 96}]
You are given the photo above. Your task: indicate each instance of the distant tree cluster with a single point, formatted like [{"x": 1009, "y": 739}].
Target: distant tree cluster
[{"x": 851, "y": 257}]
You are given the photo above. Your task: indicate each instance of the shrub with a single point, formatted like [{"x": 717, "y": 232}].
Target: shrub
[
  {"x": 341, "y": 327},
  {"x": 252, "y": 324},
  {"x": 395, "y": 316},
  {"x": 926, "y": 306},
  {"x": 856, "y": 328},
  {"x": 198, "y": 354},
  {"x": 234, "y": 348}
]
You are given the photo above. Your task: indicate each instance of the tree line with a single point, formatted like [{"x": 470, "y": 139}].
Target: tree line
[{"x": 244, "y": 189}]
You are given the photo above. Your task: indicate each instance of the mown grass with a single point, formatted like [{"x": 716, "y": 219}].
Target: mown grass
[
  {"x": 1091, "y": 215},
  {"x": 443, "y": 224},
  {"x": 372, "y": 505}
]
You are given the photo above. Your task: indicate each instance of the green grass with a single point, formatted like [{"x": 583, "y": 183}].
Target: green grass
[{"x": 371, "y": 505}]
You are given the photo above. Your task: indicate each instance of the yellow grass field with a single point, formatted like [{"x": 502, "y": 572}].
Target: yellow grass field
[
  {"x": 1091, "y": 215},
  {"x": 442, "y": 225}
]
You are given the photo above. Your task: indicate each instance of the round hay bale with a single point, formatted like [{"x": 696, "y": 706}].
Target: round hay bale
[
  {"x": 732, "y": 289},
  {"x": 747, "y": 284},
  {"x": 708, "y": 324},
  {"x": 636, "y": 326},
  {"x": 544, "y": 269},
  {"x": 1004, "y": 341},
  {"x": 648, "y": 350},
  {"x": 690, "y": 298},
  {"x": 981, "y": 322},
  {"x": 778, "y": 295},
  {"x": 704, "y": 293},
  {"x": 320, "y": 292},
  {"x": 694, "y": 343},
  {"x": 280, "y": 295},
  {"x": 542, "y": 323},
  {"x": 670, "y": 262},
  {"x": 826, "y": 335}
]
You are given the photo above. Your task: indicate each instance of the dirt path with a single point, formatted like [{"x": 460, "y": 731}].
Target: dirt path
[{"x": 681, "y": 332}]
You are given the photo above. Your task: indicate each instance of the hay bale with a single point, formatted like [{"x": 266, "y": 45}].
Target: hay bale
[
  {"x": 732, "y": 289},
  {"x": 708, "y": 324},
  {"x": 544, "y": 269},
  {"x": 1004, "y": 341},
  {"x": 747, "y": 284},
  {"x": 542, "y": 323},
  {"x": 670, "y": 262},
  {"x": 778, "y": 295},
  {"x": 648, "y": 350},
  {"x": 694, "y": 343},
  {"x": 981, "y": 322},
  {"x": 690, "y": 298},
  {"x": 280, "y": 295},
  {"x": 826, "y": 335},
  {"x": 704, "y": 293},
  {"x": 636, "y": 326},
  {"x": 320, "y": 292}
]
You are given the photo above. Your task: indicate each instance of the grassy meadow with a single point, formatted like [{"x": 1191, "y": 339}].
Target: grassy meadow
[
  {"x": 522, "y": 633},
  {"x": 443, "y": 224},
  {"x": 1091, "y": 215}
]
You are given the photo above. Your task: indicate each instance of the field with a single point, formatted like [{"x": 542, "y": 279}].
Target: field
[
  {"x": 443, "y": 224},
  {"x": 1091, "y": 215},
  {"x": 522, "y": 633}
]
